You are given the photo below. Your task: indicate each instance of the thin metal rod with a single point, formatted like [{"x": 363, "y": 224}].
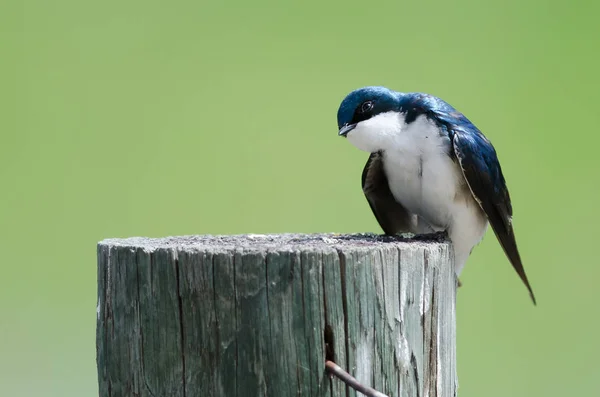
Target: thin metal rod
[{"x": 351, "y": 381}]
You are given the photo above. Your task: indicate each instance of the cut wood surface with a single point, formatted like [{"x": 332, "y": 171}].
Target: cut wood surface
[{"x": 258, "y": 315}]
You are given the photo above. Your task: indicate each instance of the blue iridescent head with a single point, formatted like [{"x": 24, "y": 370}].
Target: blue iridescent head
[{"x": 363, "y": 104}]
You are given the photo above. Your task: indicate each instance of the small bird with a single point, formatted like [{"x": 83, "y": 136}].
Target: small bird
[{"x": 430, "y": 170}]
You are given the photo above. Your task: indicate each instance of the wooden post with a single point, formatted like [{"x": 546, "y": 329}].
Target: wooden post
[{"x": 258, "y": 315}]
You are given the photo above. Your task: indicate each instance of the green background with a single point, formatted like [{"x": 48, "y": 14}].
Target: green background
[{"x": 167, "y": 118}]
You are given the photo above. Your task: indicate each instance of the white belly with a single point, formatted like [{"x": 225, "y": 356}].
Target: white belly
[
  {"x": 423, "y": 177},
  {"x": 425, "y": 184}
]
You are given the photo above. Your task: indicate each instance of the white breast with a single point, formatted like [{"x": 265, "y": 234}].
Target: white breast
[
  {"x": 423, "y": 177},
  {"x": 421, "y": 174}
]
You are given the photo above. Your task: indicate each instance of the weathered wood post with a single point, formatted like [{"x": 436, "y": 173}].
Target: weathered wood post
[{"x": 259, "y": 315}]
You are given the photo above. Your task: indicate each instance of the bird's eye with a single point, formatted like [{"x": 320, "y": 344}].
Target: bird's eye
[{"x": 366, "y": 106}]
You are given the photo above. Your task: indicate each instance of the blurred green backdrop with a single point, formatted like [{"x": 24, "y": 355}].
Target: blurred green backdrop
[{"x": 184, "y": 117}]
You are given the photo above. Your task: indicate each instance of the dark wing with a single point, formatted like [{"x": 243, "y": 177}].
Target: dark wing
[
  {"x": 391, "y": 215},
  {"x": 483, "y": 174}
]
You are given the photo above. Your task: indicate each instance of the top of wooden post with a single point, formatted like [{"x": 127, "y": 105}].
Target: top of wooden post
[{"x": 287, "y": 241}]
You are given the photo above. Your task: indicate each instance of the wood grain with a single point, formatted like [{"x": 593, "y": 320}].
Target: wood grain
[{"x": 258, "y": 315}]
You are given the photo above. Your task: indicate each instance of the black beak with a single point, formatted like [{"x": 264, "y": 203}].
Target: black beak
[{"x": 346, "y": 128}]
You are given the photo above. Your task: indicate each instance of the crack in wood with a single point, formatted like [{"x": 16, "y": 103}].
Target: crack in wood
[
  {"x": 181, "y": 323},
  {"x": 342, "y": 260}
]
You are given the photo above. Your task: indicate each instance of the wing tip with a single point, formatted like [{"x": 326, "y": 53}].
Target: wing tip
[
  {"x": 523, "y": 277},
  {"x": 509, "y": 245},
  {"x": 532, "y": 296}
]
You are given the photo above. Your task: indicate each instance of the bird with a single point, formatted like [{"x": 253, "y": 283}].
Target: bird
[{"x": 430, "y": 169}]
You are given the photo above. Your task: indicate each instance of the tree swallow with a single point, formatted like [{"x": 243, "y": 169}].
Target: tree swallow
[{"x": 430, "y": 170}]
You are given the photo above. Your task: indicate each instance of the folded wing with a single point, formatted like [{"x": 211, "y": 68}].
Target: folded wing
[{"x": 482, "y": 172}]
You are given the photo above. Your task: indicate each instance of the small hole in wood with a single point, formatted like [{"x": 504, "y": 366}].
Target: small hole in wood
[{"x": 328, "y": 337}]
